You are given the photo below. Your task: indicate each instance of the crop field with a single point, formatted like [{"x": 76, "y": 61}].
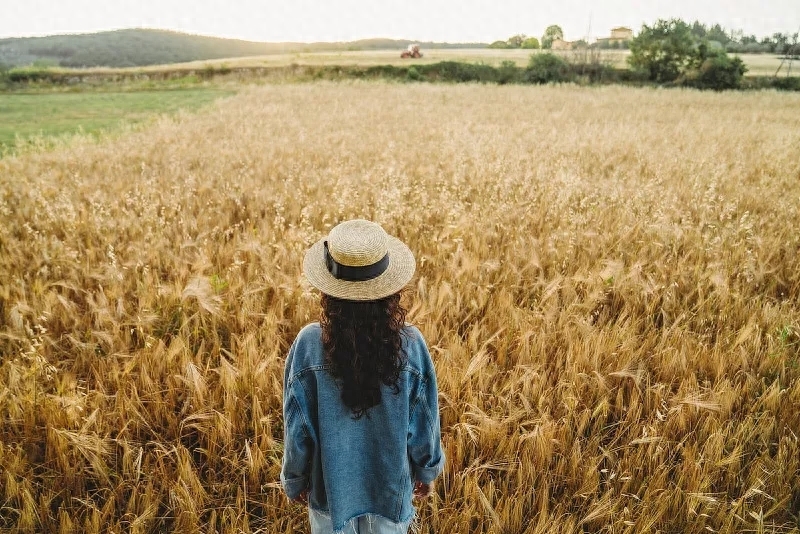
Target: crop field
[
  {"x": 41, "y": 118},
  {"x": 608, "y": 279},
  {"x": 757, "y": 64}
]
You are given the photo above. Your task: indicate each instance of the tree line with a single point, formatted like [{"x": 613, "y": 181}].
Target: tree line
[
  {"x": 717, "y": 37},
  {"x": 520, "y": 40}
]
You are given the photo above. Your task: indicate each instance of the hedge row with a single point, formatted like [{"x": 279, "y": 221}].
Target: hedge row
[{"x": 543, "y": 68}]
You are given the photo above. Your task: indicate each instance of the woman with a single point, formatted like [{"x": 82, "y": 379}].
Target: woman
[{"x": 361, "y": 416}]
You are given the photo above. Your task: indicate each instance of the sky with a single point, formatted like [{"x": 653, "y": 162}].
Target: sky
[{"x": 424, "y": 20}]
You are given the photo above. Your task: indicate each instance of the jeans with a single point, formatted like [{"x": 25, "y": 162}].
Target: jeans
[{"x": 367, "y": 524}]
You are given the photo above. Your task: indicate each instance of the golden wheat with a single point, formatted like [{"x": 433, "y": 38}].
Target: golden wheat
[{"x": 608, "y": 281}]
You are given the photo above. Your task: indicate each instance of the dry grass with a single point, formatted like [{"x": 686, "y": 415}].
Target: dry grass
[{"x": 608, "y": 280}]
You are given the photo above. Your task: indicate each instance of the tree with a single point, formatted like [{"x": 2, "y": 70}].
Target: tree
[
  {"x": 670, "y": 50},
  {"x": 793, "y": 48},
  {"x": 662, "y": 50},
  {"x": 781, "y": 42},
  {"x": 699, "y": 29},
  {"x": 749, "y": 39},
  {"x": 499, "y": 44},
  {"x": 530, "y": 43},
  {"x": 717, "y": 33},
  {"x": 515, "y": 41},
  {"x": 552, "y": 33}
]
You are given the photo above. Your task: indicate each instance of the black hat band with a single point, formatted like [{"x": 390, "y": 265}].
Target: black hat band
[{"x": 355, "y": 274}]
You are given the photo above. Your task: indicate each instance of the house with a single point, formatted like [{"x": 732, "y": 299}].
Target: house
[
  {"x": 561, "y": 44},
  {"x": 621, "y": 33}
]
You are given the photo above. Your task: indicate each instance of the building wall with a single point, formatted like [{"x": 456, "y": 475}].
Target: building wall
[
  {"x": 622, "y": 34},
  {"x": 560, "y": 44}
]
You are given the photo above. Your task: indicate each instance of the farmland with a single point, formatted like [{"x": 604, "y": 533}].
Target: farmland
[
  {"x": 758, "y": 64},
  {"x": 608, "y": 279},
  {"x": 42, "y": 118}
]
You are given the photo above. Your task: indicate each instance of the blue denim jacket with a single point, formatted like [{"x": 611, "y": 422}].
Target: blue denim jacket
[{"x": 354, "y": 467}]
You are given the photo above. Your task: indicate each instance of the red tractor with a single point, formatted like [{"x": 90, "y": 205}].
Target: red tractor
[{"x": 412, "y": 52}]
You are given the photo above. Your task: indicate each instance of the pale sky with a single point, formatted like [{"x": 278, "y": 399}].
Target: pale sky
[{"x": 346, "y": 20}]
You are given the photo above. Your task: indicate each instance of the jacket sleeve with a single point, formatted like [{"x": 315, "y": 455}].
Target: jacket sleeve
[
  {"x": 424, "y": 432},
  {"x": 298, "y": 447}
]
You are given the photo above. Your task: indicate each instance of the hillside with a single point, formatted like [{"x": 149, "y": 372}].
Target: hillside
[{"x": 140, "y": 47}]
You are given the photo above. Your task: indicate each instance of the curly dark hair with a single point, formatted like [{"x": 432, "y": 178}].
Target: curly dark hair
[{"x": 363, "y": 346}]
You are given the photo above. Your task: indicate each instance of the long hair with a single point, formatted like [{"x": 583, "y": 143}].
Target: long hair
[{"x": 363, "y": 347}]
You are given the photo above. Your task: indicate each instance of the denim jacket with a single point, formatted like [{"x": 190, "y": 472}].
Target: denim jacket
[{"x": 356, "y": 467}]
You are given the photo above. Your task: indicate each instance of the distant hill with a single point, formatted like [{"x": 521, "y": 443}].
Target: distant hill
[{"x": 140, "y": 47}]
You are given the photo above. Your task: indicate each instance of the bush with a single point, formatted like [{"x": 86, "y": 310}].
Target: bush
[
  {"x": 413, "y": 74},
  {"x": 593, "y": 72},
  {"x": 387, "y": 71},
  {"x": 29, "y": 74},
  {"x": 508, "y": 72},
  {"x": 454, "y": 71},
  {"x": 786, "y": 83},
  {"x": 718, "y": 71},
  {"x": 546, "y": 68},
  {"x": 782, "y": 83}
]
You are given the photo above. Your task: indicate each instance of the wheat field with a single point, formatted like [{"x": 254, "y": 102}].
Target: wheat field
[{"x": 608, "y": 279}]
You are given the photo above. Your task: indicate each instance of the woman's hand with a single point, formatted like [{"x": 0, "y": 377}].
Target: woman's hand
[
  {"x": 302, "y": 498},
  {"x": 422, "y": 490}
]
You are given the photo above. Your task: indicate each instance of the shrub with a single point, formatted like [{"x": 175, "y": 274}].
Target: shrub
[
  {"x": 546, "y": 68},
  {"x": 29, "y": 74},
  {"x": 787, "y": 83},
  {"x": 413, "y": 74},
  {"x": 714, "y": 70},
  {"x": 387, "y": 71},
  {"x": 593, "y": 72},
  {"x": 783, "y": 83},
  {"x": 508, "y": 72},
  {"x": 454, "y": 71}
]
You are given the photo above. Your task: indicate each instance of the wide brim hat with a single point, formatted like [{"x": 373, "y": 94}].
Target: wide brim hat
[{"x": 358, "y": 260}]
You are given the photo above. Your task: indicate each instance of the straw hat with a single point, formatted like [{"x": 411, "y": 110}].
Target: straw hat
[{"x": 359, "y": 261}]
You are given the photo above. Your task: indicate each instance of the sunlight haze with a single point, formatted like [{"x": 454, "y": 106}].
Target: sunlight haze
[{"x": 346, "y": 20}]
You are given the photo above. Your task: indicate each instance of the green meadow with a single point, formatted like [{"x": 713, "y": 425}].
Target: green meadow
[{"x": 26, "y": 117}]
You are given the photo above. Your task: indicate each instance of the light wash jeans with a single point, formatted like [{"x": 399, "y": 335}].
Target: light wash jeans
[{"x": 368, "y": 524}]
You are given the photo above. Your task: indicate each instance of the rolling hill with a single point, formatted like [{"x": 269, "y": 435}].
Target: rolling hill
[{"x": 140, "y": 47}]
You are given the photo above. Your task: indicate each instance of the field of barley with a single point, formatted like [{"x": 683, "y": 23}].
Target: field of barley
[{"x": 608, "y": 279}]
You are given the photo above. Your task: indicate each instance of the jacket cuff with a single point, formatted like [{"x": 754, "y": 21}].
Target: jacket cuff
[
  {"x": 294, "y": 486},
  {"x": 426, "y": 475}
]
